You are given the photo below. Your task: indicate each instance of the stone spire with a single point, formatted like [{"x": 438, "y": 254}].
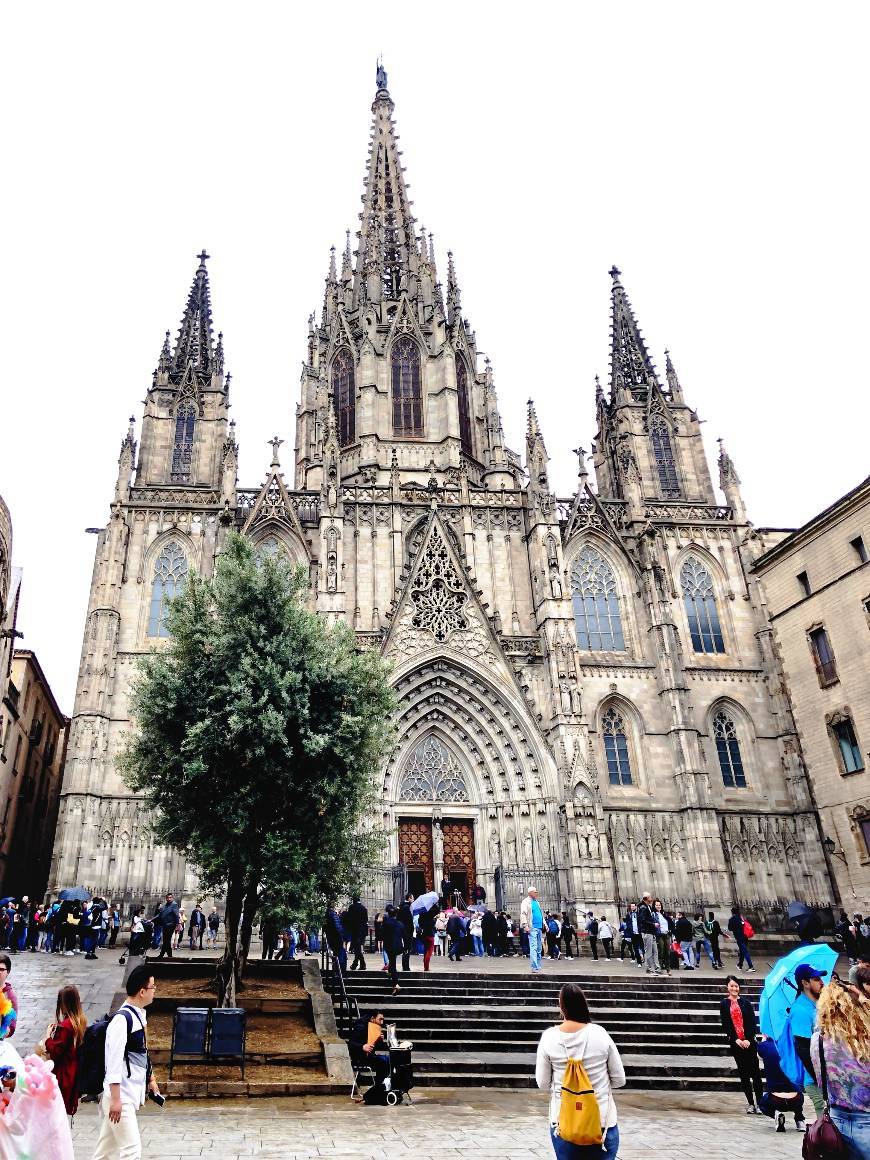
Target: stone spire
[
  {"x": 387, "y": 253},
  {"x": 536, "y": 453},
  {"x": 454, "y": 299},
  {"x": 729, "y": 482},
  {"x": 674, "y": 388},
  {"x": 631, "y": 368},
  {"x": 194, "y": 347}
]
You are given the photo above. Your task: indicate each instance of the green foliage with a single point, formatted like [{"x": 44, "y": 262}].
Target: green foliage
[{"x": 259, "y": 736}]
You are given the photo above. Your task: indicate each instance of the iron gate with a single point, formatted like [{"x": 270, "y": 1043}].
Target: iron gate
[{"x": 511, "y": 885}]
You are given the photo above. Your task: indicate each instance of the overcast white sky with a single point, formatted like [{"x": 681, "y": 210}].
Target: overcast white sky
[{"x": 716, "y": 152}]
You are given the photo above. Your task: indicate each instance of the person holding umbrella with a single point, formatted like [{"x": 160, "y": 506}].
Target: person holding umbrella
[
  {"x": 803, "y": 1023},
  {"x": 427, "y": 907},
  {"x": 787, "y": 1009}
]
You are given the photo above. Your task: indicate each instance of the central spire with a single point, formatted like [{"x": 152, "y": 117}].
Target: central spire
[
  {"x": 387, "y": 254},
  {"x": 194, "y": 347},
  {"x": 631, "y": 367}
]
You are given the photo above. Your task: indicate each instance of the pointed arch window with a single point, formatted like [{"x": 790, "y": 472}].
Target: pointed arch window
[
  {"x": 700, "y": 600},
  {"x": 407, "y": 388},
  {"x": 663, "y": 454},
  {"x": 272, "y": 547},
  {"x": 182, "y": 450},
  {"x": 170, "y": 571},
  {"x": 616, "y": 747},
  {"x": 464, "y": 409},
  {"x": 596, "y": 603},
  {"x": 728, "y": 751},
  {"x": 433, "y": 774},
  {"x": 344, "y": 396}
]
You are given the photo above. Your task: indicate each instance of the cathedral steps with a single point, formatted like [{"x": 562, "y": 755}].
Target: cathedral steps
[{"x": 473, "y": 1029}]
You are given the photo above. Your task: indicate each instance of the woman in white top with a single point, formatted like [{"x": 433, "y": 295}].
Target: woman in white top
[
  {"x": 475, "y": 929},
  {"x": 579, "y": 1038}
]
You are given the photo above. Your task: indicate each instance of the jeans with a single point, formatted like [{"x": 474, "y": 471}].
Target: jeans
[
  {"x": 743, "y": 953},
  {"x": 854, "y": 1127},
  {"x": 536, "y": 947},
  {"x": 687, "y": 949},
  {"x": 593, "y": 946},
  {"x": 477, "y": 944},
  {"x": 567, "y": 1151},
  {"x": 608, "y": 947},
  {"x": 703, "y": 944},
  {"x": 650, "y": 953}
]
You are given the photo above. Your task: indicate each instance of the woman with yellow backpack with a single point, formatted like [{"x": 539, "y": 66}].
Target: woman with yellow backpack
[{"x": 579, "y": 1064}]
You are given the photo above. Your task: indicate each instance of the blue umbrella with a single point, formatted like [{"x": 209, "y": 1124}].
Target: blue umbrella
[
  {"x": 780, "y": 989},
  {"x": 74, "y": 894},
  {"x": 778, "y": 997}
]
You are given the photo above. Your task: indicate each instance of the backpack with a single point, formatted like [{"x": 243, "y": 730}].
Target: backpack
[
  {"x": 92, "y": 1053},
  {"x": 553, "y": 926},
  {"x": 748, "y": 928},
  {"x": 579, "y": 1115},
  {"x": 592, "y": 928}
]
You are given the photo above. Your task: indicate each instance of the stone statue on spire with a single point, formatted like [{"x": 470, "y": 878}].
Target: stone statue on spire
[{"x": 381, "y": 76}]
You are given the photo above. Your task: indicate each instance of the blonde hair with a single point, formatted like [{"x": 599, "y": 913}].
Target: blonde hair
[{"x": 845, "y": 1019}]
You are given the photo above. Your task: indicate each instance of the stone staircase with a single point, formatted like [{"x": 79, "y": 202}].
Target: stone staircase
[{"x": 482, "y": 1030}]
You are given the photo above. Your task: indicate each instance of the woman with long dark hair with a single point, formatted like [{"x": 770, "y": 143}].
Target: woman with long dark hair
[
  {"x": 577, "y": 1037},
  {"x": 63, "y": 1039}
]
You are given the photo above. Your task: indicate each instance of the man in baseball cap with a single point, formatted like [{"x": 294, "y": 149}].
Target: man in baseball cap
[{"x": 802, "y": 1018}]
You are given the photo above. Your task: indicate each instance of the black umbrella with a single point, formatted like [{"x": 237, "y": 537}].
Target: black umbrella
[
  {"x": 74, "y": 894},
  {"x": 805, "y": 921}
]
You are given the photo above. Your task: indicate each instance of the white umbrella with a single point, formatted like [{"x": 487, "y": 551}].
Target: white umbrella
[{"x": 424, "y": 902}]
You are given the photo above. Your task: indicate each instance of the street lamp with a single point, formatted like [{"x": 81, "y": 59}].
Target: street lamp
[{"x": 831, "y": 849}]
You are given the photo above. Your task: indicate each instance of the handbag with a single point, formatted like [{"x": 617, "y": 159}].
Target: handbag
[{"x": 822, "y": 1140}]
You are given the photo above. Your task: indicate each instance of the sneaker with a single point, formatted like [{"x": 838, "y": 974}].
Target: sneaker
[
  {"x": 69, "y": 953},
  {"x": 752, "y": 1110},
  {"x": 752, "y": 970},
  {"x": 801, "y": 1125}
]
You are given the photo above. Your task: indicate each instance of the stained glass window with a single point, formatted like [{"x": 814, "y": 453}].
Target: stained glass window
[
  {"x": 169, "y": 573},
  {"x": 728, "y": 751},
  {"x": 700, "y": 601},
  {"x": 433, "y": 774},
  {"x": 407, "y": 390},
  {"x": 344, "y": 396},
  {"x": 596, "y": 604},
  {"x": 663, "y": 454},
  {"x": 271, "y": 546},
  {"x": 182, "y": 451},
  {"x": 616, "y": 747},
  {"x": 464, "y": 412}
]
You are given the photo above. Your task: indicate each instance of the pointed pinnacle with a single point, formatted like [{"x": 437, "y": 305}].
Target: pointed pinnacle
[
  {"x": 332, "y": 276},
  {"x": 346, "y": 266},
  {"x": 532, "y": 427}
]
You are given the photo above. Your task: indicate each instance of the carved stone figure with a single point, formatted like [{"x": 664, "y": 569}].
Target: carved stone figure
[
  {"x": 511, "y": 841},
  {"x": 528, "y": 850}
]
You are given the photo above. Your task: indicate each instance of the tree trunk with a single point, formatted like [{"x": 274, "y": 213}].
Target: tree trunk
[
  {"x": 248, "y": 912},
  {"x": 225, "y": 974}
]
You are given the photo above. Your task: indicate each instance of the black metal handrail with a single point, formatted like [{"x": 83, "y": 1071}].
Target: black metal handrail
[{"x": 348, "y": 1008}]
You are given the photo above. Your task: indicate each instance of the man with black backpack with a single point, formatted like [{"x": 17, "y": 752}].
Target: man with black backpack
[{"x": 128, "y": 1074}]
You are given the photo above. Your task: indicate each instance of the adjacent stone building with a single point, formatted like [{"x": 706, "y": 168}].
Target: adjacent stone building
[
  {"x": 816, "y": 584},
  {"x": 588, "y": 696}
]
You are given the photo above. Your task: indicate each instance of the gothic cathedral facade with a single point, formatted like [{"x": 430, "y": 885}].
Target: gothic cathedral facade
[{"x": 588, "y": 691}]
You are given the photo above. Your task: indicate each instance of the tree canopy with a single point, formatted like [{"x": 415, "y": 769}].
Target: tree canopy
[{"x": 259, "y": 731}]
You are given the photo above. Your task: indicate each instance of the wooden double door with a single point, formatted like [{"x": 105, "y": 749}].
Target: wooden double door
[{"x": 416, "y": 851}]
